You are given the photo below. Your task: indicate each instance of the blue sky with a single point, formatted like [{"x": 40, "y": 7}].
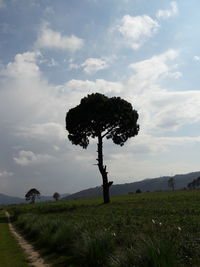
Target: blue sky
[{"x": 53, "y": 53}]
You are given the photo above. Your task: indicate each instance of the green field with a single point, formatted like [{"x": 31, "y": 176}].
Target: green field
[
  {"x": 11, "y": 254},
  {"x": 159, "y": 229}
]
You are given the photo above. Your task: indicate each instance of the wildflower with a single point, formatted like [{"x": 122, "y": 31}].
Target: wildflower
[
  {"x": 179, "y": 228},
  {"x": 153, "y": 221},
  {"x": 114, "y": 234},
  {"x": 160, "y": 223}
]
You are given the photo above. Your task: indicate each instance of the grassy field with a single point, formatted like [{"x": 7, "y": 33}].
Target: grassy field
[
  {"x": 10, "y": 253},
  {"x": 159, "y": 229}
]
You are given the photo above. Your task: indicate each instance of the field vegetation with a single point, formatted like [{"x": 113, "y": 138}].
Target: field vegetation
[
  {"x": 160, "y": 229},
  {"x": 11, "y": 254}
]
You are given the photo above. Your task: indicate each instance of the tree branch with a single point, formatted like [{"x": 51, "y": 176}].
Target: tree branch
[{"x": 108, "y": 131}]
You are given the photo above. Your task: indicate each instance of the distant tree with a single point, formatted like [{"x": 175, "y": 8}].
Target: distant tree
[
  {"x": 138, "y": 191},
  {"x": 198, "y": 181},
  {"x": 191, "y": 185},
  {"x": 98, "y": 116},
  {"x": 56, "y": 196},
  {"x": 32, "y": 194},
  {"x": 194, "y": 184},
  {"x": 171, "y": 183}
]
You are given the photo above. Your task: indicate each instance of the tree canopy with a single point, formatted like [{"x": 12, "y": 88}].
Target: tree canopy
[
  {"x": 171, "y": 183},
  {"x": 102, "y": 117},
  {"x": 113, "y": 118},
  {"x": 56, "y": 196},
  {"x": 32, "y": 194}
]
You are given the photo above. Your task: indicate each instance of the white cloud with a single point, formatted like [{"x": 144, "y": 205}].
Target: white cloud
[
  {"x": 92, "y": 65},
  {"x": 50, "y": 39},
  {"x": 23, "y": 65},
  {"x": 4, "y": 174},
  {"x": 165, "y": 14},
  {"x": 44, "y": 131},
  {"x": 26, "y": 158},
  {"x": 176, "y": 109},
  {"x": 137, "y": 30},
  {"x": 148, "y": 144},
  {"x": 88, "y": 86},
  {"x": 150, "y": 71},
  {"x": 24, "y": 85},
  {"x": 161, "y": 110},
  {"x": 196, "y": 58}
]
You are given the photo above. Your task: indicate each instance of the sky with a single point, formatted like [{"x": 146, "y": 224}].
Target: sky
[{"x": 53, "y": 53}]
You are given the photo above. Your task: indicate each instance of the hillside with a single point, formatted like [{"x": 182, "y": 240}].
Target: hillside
[
  {"x": 7, "y": 200},
  {"x": 151, "y": 184}
]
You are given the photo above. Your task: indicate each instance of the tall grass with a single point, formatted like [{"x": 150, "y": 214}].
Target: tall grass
[
  {"x": 85, "y": 233},
  {"x": 94, "y": 249},
  {"x": 147, "y": 251}
]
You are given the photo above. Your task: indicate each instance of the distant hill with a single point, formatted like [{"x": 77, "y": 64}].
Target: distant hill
[
  {"x": 151, "y": 184},
  {"x": 8, "y": 200}
]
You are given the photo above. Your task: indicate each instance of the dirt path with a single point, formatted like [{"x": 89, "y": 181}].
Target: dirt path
[{"x": 32, "y": 255}]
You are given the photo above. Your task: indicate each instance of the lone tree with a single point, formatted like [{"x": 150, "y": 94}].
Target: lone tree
[
  {"x": 171, "y": 183},
  {"x": 56, "y": 196},
  {"x": 32, "y": 194},
  {"x": 138, "y": 191},
  {"x": 98, "y": 116}
]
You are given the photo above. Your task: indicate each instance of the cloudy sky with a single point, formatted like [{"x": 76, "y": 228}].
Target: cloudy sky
[{"x": 53, "y": 53}]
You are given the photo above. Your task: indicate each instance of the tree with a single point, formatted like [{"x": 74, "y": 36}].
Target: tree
[
  {"x": 171, "y": 183},
  {"x": 56, "y": 196},
  {"x": 32, "y": 194},
  {"x": 195, "y": 183},
  {"x": 98, "y": 116},
  {"x": 138, "y": 191},
  {"x": 192, "y": 185}
]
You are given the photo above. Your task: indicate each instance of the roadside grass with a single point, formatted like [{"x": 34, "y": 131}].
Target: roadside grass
[
  {"x": 11, "y": 254},
  {"x": 158, "y": 229}
]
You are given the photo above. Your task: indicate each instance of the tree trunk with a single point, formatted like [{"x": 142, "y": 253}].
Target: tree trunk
[{"x": 102, "y": 169}]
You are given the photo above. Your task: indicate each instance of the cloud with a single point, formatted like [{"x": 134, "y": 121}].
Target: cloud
[
  {"x": 136, "y": 30},
  {"x": 4, "y": 174},
  {"x": 24, "y": 65},
  {"x": 151, "y": 71},
  {"x": 87, "y": 86},
  {"x": 49, "y": 132},
  {"x": 176, "y": 109},
  {"x": 196, "y": 58},
  {"x": 25, "y": 94},
  {"x": 161, "y": 110},
  {"x": 147, "y": 144},
  {"x": 2, "y": 4},
  {"x": 165, "y": 14},
  {"x": 26, "y": 158},
  {"x": 50, "y": 39},
  {"x": 92, "y": 65}
]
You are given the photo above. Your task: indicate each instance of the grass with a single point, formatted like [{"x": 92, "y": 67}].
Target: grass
[
  {"x": 11, "y": 254},
  {"x": 148, "y": 229}
]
